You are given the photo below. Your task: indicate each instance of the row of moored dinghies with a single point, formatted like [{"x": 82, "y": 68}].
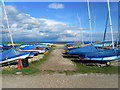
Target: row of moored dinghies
[
  {"x": 12, "y": 52},
  {"x": 96, "y": 52}
]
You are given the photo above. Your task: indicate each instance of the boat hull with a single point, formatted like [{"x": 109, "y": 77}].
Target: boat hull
[{"x": 15, "y": 58}]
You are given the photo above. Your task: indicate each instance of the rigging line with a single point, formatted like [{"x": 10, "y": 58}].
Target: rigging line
[
  {"x": 79, "y": 22},
  {"x": 105, "y": 28},
  {"x": 6, "y": 34},
  {"x": 6, "y": 17},
  {"x": 117, "y": 42},
  {"x": 76, "y": 42},
  {"x": 111, "y": 27},
  {"x": 4, "y": 30},
  {"x": 89, "y": 18},
  {"x": 1, "y": 26},
  {"x": 94, "y": 27}
]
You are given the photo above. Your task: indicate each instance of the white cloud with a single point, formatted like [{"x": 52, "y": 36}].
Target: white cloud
[
  {"x": 71, "y": 32},
  {"x": 52, "y": 22},
  {"x": 56, "y": 6},
  {"x": 24, "y": 27}
]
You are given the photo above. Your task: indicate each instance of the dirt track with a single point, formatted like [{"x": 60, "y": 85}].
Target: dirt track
[{"x": 57, "y": 62}]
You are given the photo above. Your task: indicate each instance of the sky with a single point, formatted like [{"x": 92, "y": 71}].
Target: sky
[{"x": 58, "y": 21}]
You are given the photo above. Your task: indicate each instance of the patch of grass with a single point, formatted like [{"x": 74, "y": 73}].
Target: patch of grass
[
  {"x": 60, "y": 72},
  {"x": 33, "y": 66},
  {"x": 82, "y": 68},
  {"x": 96, "y": 69},
  {"x": 48, "y": 71},
  {"x": 9, "y": 71}
]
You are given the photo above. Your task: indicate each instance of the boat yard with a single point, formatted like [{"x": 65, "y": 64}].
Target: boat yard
[
  {"x": 55, "y": 73},
  {"x": 78, "y": 64}
]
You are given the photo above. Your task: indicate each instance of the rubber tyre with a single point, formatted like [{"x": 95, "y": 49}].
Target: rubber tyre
[{"x": 108, "y": 63}]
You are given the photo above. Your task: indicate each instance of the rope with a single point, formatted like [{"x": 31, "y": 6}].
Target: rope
[{"x": 79, "y": 22}]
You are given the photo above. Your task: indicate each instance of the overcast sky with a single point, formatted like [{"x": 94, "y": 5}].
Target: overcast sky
[{"x": 48, "y": 21}]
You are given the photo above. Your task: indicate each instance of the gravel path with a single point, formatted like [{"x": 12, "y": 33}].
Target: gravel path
[
  {"x": 57, "y": 62},
  {"x": 60, "y": 81}
]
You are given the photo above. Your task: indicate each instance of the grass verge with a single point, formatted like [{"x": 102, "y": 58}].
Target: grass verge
[
  {"x": 33, "y": 66},
  {"x": 82, "y": 68}
]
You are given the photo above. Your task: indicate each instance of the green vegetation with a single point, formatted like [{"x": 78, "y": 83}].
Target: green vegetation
[
  {"x": 33, "y": 67},
  {"x": 82, "y": 68}
]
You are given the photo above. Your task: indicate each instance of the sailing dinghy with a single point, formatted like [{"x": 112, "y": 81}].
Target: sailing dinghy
[
  {"x": 35, "y": 50},
  {"x": 11, "y": 54}
]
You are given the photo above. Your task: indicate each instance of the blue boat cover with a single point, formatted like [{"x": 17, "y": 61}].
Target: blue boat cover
[
  {"x": 33, "y": 49},
  {"x": 37, "y": 46},
  {"x": 7, "y": 47},
  {"x": 95, "y": 53},
  {"x": 11, "y": 53},
  {"x": 33, "y": 53},
  {"x": 82, "y": 50},
  {"x": 1, "y": 51},
  {"x": 103, "y": 54}
]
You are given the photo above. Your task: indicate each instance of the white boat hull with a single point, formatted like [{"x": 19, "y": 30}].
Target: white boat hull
[
  {"x": 35, "y": 51},
  {"x": 16, "y": 58}
]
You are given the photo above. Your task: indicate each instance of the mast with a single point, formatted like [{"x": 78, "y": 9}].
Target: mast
[
  {"x": 89, "y": 18},
  {"x": 1, "y": 26},
  {"x": 105, "y": 28},
  {"x": 111, "y": 27},
  {"x": 79, "y": 22},
  {"x": 94, "y": 27},
  {"x": 118, "y": 22},
  {"x": 6, "y": 17}
]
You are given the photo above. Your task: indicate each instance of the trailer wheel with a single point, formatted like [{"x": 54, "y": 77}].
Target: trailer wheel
[{"x": 108, "y": 63}]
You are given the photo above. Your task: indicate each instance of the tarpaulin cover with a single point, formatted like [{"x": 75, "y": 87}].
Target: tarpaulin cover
[{"x": 11, "y": 53}]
